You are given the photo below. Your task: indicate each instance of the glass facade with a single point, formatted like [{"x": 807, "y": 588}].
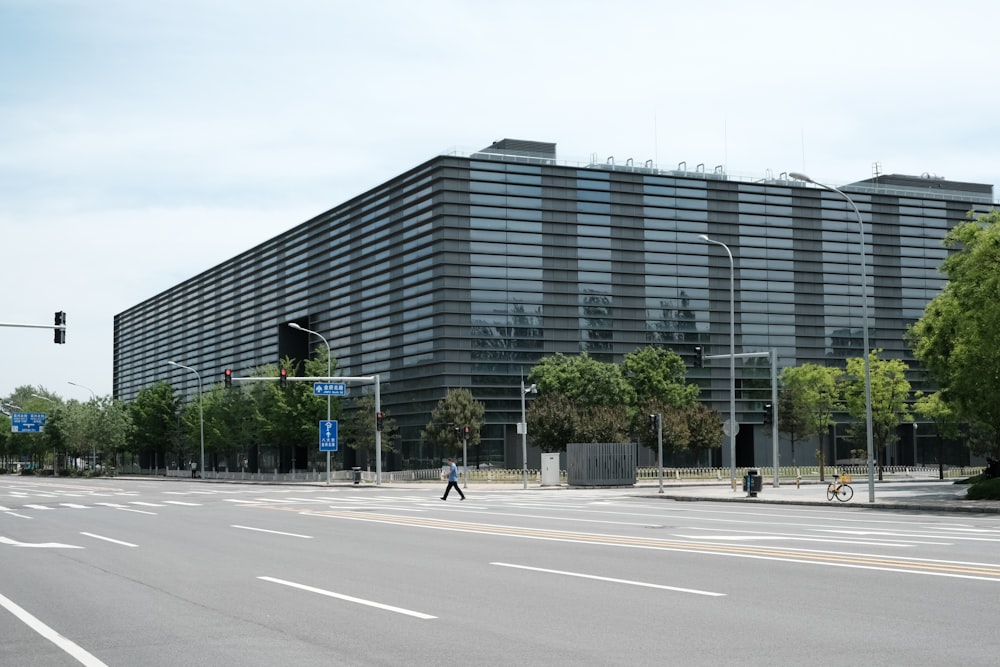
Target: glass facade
[{"x": 467, "y": 270}]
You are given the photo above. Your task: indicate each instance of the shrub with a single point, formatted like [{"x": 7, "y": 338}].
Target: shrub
[{"x": 984, "y": 489}]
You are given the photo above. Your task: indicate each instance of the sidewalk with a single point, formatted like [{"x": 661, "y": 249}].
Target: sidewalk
[
  {"x": 921, "y": 495},
  {"x": 918, "y": 495}
]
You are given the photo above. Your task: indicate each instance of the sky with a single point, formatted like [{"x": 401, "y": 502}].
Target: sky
[{"x": 144, "y": 142}]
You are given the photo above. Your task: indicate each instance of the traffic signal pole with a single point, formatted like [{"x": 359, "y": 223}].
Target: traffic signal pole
[{"x": 59, "y": 326}]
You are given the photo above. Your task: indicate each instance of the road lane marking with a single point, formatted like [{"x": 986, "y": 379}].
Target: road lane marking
[
  {"x": 348, "y": 598},
  {"x": 37, "y": 545},
  {"x": 20, "y": 516},
  {"x": 83, "y": 657},
  {"x": 977, "y": 571},
  {"x": 144, "y": 504},
  {"x": 129, "y": 509},
  {"x": 108, "y": 539},
  {"x": 612, "y": 580},
  {"x": 273, "y": 532},
  {"x": 39, "y": 507},
  {"x": 74, "y": 506},
  {"x": 181, "y": 502},
  {"x": 115, "y": 505}
]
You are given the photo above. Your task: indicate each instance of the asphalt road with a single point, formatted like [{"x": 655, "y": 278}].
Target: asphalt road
[{"x": 136, "y": 572}]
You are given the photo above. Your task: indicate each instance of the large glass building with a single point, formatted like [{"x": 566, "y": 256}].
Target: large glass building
[{"x": 467, "y": 270}]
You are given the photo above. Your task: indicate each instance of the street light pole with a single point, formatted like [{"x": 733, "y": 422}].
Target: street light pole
[
  {"x": 869, "y": 439},
  {"x": 524, "y": 431},
  {"x": 733, "y": 424},
  {"x": 93, "y": 396},
  {"x": 296, "y": 326},
  {"x": 201, "y": 412}
]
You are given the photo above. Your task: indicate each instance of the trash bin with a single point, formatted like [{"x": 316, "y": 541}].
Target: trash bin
[
  {"x": 753, "y": 483},
  {"x": 357, "y": 475}
]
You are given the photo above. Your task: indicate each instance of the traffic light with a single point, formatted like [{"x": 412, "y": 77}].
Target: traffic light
[
  {"x": 458, "y": 433},
  {"x": 699, "y": 356},
  {"x": 60, "y": 331},
  {"x": 228, "y": 378},
  {"x": 378, "y": 421},
  {"x": 768, "y": 413},
  {"x": 283, "y": 378},
  {"x": 466, "y": 432}
]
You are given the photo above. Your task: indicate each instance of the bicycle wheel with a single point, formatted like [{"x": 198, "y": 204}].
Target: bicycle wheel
[
  {"x": 830, "y": 493},
  {"x": 845, "y": 493}
]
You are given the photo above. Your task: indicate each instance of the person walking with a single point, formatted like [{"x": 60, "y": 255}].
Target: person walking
[{"x": 452, "y": 480}]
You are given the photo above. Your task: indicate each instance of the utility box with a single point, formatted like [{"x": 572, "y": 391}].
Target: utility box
[{"x": 550, "y": 469}]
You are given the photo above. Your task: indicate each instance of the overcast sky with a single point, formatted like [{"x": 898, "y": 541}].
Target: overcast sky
[{"x": 143, "y": 142}]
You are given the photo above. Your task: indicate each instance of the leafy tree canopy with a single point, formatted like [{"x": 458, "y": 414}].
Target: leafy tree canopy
[{"x": 958, "y": 337}]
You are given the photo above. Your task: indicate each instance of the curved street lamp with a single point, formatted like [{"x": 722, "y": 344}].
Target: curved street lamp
[
  {"x": 869, "y": 440},
  {"x": 298, "y": 327},
  {"x": 733, "y": 424},
  {"x": 201, "y": 413}
]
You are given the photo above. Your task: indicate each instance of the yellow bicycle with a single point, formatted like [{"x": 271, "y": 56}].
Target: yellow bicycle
[{"x": 840, "y": 488}]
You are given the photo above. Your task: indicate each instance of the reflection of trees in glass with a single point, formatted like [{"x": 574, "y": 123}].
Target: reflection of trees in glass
[
  {"x": 507, "y": 337},
  {"x": 676, "y": 323},
  {"x": 595, "y": 322},
  {"x": 845, "y": 343}
]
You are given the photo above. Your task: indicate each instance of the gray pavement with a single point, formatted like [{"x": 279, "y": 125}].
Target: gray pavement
[
  {"x": 921, "y": 494},
  {"x": 902, "y": 495}
]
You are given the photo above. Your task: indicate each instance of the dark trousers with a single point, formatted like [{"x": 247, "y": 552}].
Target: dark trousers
[{"x": 452, "y": 485}]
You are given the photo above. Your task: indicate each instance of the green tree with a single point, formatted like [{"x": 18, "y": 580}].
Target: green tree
[
  {"x": 288, "y": 414},
  {"x": 676, "y": 430},
  {"x": 593, "y": 397},
  {"x": 154, "y": 414},
  {"x": 661, "y": 375},
  {"x": 806, "y": 402},
  {"x": 358, "y": 429},
  {"x": 705, "y": 429},
  {"x": 890, "y": 391},
  {"x": 583, "y": 380},
  {"x": 603, "y": 423},
  {"x": 232, "y": 424},
  {"x": 552, "y": 422},
  {"x": 113, "y": 429},
  {"x": 946, "y": 425},
  {"x": 958, "y": 337},
  {"x": 457, "y": 409}
]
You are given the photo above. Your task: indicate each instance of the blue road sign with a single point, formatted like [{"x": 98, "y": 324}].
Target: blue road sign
[
  {"x": 327, "y": 435},
  {"x": 329, "y": 389},
  {"x": 27, "y": 422}
]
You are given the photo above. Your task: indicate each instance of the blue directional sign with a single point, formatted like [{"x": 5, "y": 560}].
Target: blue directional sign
[
  {"x": 27, "y": 422},
  {"x": 328, "y": 435},
  {"x": 329, "y": 389}
]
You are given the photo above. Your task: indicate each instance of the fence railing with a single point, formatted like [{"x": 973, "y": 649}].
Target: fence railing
[{"x": 509, "y": 475}]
